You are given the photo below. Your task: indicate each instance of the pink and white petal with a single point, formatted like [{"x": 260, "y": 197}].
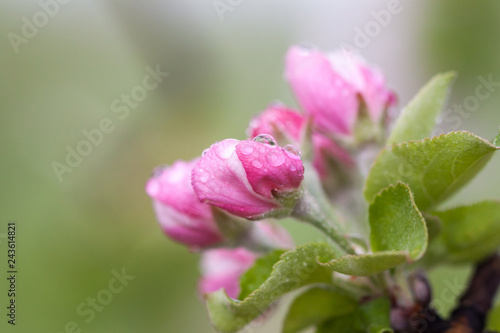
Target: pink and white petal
[
  {"x": 222, "y": 269},
  {"x": 321, "y": 91},
  {"x": 194, "y": 231},
  {"x": 172, "y": 186},
  {"x": 376, "y": 94}
]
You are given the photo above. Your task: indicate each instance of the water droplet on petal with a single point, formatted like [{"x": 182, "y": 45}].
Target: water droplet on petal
[
  {"x": 292, "y": 151},
  {"x": 306, "y": 48},
  {"x": 265, "y": 139},
  {"x": 159, "y": 170},
  {"x": 275, "y": 158},
  {"x": 246, "y": 149},
  {"x": 204, "y": 178},
  {"x": 205, "y": 152},
  {"x": 224, "y": 152},
  {"x": 293, "y": 168},
  {"x": 256, "y": 164},
  {"x": 276, "y": 103}
]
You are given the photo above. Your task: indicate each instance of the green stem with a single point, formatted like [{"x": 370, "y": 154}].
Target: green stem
[
  {"x": 308, "y": 211},
  {"x": 313, "y": 207},
  {"x": 325, "y": 227}
]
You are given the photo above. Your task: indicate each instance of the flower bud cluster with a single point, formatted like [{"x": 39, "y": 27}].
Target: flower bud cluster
[{"x": 344, "y": 102}]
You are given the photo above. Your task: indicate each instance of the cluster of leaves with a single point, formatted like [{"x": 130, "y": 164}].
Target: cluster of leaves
[{"x": 408, "y": 181}]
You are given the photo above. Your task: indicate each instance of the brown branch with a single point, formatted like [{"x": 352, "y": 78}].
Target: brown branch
[{"x": 470, "y": 314}]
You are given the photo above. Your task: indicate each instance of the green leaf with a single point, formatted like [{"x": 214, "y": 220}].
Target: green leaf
[
  {"x": 314, "y": 307},
  {"x": 372, "y": 317},
  {"x": 471, "y": 232},
  {"x": 366, "y": 264},
  {"x": 376, "y": 315},
  {"x": 258, "y": 274},
  {"x": 345, "y": 324},
  {"x": 306, "y": 264},
  {"x": 418, "y": 118},
  {"x": 396, "y": 223},
  {"x": 496, "y": 140},
  {"x": 493, "y": 320},
  {"x": 295, "y": 269},
  {"x": 433, "y": 168}
]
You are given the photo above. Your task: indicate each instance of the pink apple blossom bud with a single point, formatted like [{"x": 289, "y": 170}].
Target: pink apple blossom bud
[
  {"x": 249, "y": 178},
  {"x": 272, "y": 235},
  {"x": 329, "y": 87},
  {"x": 178, "y": 210},
  {"x": 279, "y": 121},
  {"x": 222, "y": 269},
  {"x": 289, "y": 126}
]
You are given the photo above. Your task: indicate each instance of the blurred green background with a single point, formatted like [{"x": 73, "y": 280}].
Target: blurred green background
[{"x": 222, "y": 70}]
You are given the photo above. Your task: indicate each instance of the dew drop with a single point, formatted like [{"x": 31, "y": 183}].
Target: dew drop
[
  {"x": 256, "y": 164},
  {"x": 276, "y": 104},
  {"x": 204, "y": 178},
  {"x": 306, "y": 48},
  {"x": 265, "y": 139},
  {"x": 159, "y": 170},
  {"x": 292, "y": 151},
  {"x": 293, "y": 168},
  {"x": 205, "y": 152},
  {"x": 224, "y": 152},
  {"x": 246, "y": 149},
  {"x": 275, "y": 158}
]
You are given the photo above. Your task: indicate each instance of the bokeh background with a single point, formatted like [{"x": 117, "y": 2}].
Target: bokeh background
[{"x": 222, "y": 70}]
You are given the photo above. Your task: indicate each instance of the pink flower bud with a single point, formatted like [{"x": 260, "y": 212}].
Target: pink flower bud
[
  {"x": 279, "y": 121},
  {"x": 222, "y": 269},
  {"x": 288, "y": 125},
  {"x": 328, "y": 87},
  {"x": 247, "y": 178},
  {"x": 178, "y": 210}
]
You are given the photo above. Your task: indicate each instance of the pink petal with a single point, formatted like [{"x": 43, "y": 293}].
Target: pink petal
[
  {"x": 219, "y": 179},
  {"x": 222, "y": 269},
  {"x": 185, "y": 229},
  {"x": 270, "y": 167},
  {"x": 278, "y": 121},
  {"x": 321, "y": 91},
  {"x": 172, "y": 186},
  {"x": 368, "y": 80},
  {"x": 177, "y": 208}
]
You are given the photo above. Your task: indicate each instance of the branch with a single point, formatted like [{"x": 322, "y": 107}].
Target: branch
[{"x": 470, "y": 315}]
